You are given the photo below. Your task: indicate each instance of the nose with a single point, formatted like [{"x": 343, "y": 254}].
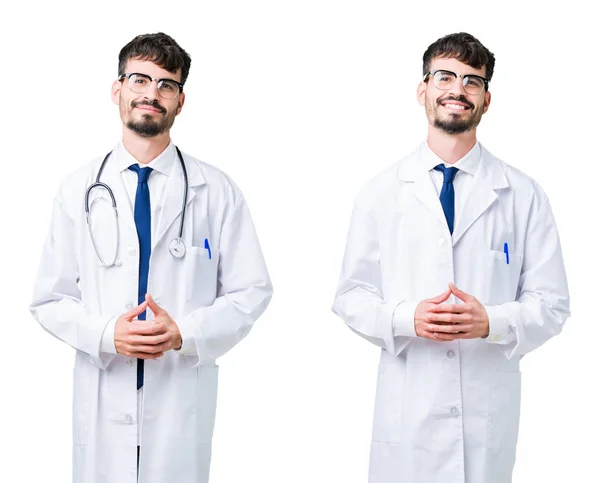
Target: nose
[
  {"x": 458, "y": 88},
  {"x": 152, "y": 91}
]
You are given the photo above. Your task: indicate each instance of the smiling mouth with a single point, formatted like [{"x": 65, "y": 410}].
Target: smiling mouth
[
  {"x": 455, "y": 104},
  {"x": 456, "y": 107}
]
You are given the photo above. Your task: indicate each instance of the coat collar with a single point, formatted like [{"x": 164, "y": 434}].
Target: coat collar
[
  {"x": 489, "y": 178},
  {"x": 173, "y": 190}
]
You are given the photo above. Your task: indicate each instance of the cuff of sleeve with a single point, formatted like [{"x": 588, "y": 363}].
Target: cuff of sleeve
[
  {"x": 188, "y": 346},
  {"x": 107, "y": 343},
  {"x": 499, "y": 324},
  {"x": 403, "y": 319}
]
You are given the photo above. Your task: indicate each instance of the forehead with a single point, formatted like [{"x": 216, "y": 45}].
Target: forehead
[
  {"x": 150, "y": 68},
  {"x": 456, "y": 66}
]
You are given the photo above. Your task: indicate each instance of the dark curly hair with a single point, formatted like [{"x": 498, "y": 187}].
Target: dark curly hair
[
  {"x": 463, "y": 47},
  {"x": 160, "y": 49}
]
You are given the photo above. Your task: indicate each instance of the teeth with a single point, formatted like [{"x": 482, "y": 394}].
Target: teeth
[{"x": 454, "y": 106}]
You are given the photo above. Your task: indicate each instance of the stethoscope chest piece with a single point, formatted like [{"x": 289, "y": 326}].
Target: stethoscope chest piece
[{"x": 177, "y": 247}]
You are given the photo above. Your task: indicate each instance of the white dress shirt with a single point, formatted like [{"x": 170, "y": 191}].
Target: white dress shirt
[
  {"x": 161, "y": 170},
  {"x": 467, "y": 167}
]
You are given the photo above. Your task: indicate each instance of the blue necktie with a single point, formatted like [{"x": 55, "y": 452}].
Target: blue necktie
[
  {"x": 141, "y": 214},
  {"x": 447, "y": 194}
]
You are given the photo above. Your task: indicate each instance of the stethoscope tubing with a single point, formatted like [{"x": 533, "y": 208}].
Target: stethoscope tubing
[{"x": 99, "y": 184}]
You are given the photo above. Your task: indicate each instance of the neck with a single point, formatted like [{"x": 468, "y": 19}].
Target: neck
[
  {"x": 143, "y": 149},
  {"x": 450, "y": 147}
]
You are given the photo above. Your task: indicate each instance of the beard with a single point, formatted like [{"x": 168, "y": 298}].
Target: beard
[
  {"x": 148, "y": 127},
  {"x": 454, "y": 123}
]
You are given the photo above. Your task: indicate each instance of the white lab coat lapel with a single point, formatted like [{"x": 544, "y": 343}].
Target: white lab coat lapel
[
  {"x": 174, "y": 195},
  {"x": 414, "y": 171},
  {"x": 488, "y": 178}
]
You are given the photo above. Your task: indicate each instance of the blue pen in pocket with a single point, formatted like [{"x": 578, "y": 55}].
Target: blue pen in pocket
[
  {"x": 207, "y": 247},
  {"x": 506, "y": 252}
]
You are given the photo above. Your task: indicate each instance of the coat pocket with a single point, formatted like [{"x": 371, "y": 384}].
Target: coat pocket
[
  {"x": 201, "y": 276},
  {"x": 502, "y": 278},
  {"x": 389, "y": 406},
  {"x": 504, "y": 409}
]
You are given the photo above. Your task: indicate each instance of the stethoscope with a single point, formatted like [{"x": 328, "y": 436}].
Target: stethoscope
[{"x": 176, "y": 245}]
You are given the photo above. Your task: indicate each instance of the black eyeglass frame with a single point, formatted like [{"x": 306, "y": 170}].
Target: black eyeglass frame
[
  {"x": 158, "y": 81},
  {"x": 432, "y": 73}
]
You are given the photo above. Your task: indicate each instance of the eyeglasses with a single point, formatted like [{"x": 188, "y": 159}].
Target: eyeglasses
[
  {"x": 139, "y": 83},
  {"x": 445, "y": 80}
]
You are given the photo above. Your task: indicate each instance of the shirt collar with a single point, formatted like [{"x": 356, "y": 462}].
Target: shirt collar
[
  {"x": 162, "y": 163},
  {"x": 468, "y": 163}
]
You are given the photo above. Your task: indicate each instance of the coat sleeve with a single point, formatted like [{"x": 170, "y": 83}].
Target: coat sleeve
[
  {"x": 359, "y": 299},
  {"x": 57, "y": 304},
  {"x": 542, "y": 304},
  {"x": 244, "y": 291}
]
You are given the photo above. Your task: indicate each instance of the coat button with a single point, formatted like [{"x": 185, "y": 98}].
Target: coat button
[
  {"x": 450, "y": 354},
  {"x": 129, "y": 306},
  {"x": 131, "y": 250},
  {"x": 129, "y": 362},
  {"x": 128, "y": 419},
  {"x": 454, "y": 411}
]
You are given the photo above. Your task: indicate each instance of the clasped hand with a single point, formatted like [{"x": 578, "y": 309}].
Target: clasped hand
[
  {"x": 445, "y": 322},
  {"x": 146, "y": 339}
]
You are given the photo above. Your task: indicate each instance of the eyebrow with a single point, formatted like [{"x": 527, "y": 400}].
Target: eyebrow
[{"x": 158, "y": 78}]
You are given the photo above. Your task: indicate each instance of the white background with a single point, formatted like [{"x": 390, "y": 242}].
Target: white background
[{"x": 301, "y": 103}]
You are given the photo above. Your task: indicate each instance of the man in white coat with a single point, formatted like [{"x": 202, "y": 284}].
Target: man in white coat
[
  {"x": 148, "y": 299},
  {"x": 453, "y": 267}
]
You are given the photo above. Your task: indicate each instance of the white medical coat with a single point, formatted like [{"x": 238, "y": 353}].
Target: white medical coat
[
  {"x": 448, "y": 412},
  {"x": 214, "y": 300}
]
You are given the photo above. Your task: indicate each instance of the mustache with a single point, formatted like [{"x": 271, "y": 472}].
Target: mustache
[
  {"x": 153, "y": 104},
  {"x": 460, "y": 98}
]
